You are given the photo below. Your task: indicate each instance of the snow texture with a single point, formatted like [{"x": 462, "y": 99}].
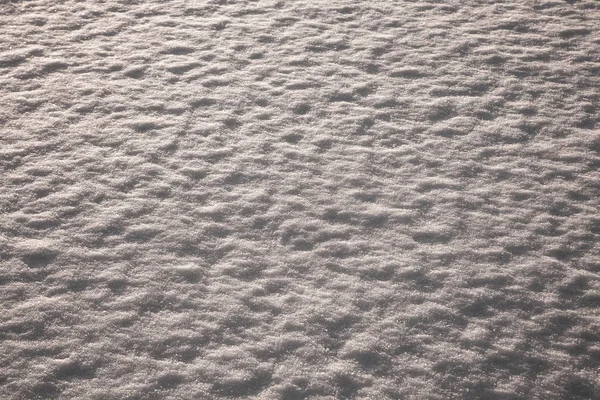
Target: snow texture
[{"x": 299, "y": 199}]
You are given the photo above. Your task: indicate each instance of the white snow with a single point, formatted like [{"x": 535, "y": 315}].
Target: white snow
[{"x": 299, "y": 199}]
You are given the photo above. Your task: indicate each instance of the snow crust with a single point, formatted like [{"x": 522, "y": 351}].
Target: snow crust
[{"x": 299, "y": 199}]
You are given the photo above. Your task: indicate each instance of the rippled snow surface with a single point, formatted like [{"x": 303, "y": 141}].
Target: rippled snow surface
[{"x": 299, "y": 199}]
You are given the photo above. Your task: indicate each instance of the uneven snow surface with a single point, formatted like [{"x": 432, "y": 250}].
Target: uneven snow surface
[{"x": 299, "y": 199}]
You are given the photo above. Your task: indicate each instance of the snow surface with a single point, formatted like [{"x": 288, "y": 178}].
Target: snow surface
[{"x": 299, "y": 199}]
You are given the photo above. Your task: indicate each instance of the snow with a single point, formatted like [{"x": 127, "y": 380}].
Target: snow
[{"x": 299, "y": 200}]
